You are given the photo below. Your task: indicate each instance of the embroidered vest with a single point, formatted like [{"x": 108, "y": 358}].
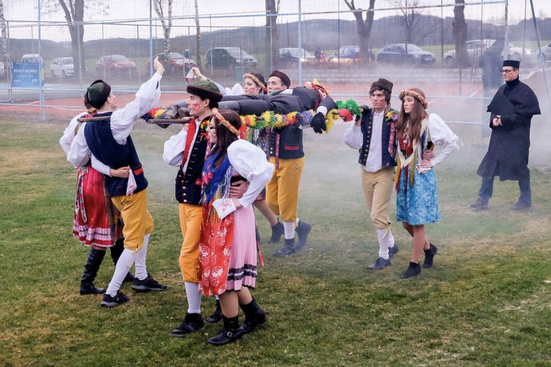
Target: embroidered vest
[
  {"x": 188, "y": 183},
  {"x": 290, "y": 143},
  {"x": 366, "y": 127}
]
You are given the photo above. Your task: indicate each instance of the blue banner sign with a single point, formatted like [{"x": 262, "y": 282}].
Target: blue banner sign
[{"x": 27, "y": 74}]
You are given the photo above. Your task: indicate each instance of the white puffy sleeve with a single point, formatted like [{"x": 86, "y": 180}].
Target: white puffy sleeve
[
  {"x": 147, "y": 97},
  {"x": 353, "y": 136},
  {"x": 250, "y": 162},
  {"x": 442, "y": 136},
  {"x": 69, "y": 133},
  {"x": 174, "y": 148},
  {"x": 236, "y": 90},
  {"x": 79, "y": 153}
]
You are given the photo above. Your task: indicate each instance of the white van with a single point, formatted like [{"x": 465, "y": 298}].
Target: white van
[
  {"x": 32, "y": 58},
  {"x": 62, "y": 66}
]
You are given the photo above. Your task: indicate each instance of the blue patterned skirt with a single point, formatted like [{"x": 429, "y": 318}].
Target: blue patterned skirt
[{"x": 419, "y": 205}]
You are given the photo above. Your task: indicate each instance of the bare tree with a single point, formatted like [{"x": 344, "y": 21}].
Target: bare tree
[
  {"x": 73, "y": 11},
  {"x": 459, "y": 32},
  {"x": 5, "y": 45},
  {"x": 413, "y": 21},
  {"x": 198, "y": 38},
  {"x": 272, "y": 36},
  {"x": 364, "y": 26},
  {"x": 165, "y": 22}
]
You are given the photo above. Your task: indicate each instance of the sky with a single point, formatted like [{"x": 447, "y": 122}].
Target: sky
[{"x": 223, "y": 13}]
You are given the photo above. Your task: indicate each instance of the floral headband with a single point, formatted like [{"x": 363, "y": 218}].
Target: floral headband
[
  {"x": 225, "y": 122},
  {"x": 415, "y": 93},
  {"x": 255, "y": 80}
]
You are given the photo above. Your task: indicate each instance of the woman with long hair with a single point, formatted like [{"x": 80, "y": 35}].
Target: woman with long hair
[
  {"x": 417, "y": 196},
  {"x": 228, "y": 252}
]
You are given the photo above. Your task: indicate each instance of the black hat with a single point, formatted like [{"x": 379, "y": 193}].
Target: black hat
[
  {"x": 284, "y": 78},
  {"x": 97, "y": 93},
  {"x": 205, "y": 89},
  {"x": 382, "y": 84},
  {"x": 513, "y": 63}
]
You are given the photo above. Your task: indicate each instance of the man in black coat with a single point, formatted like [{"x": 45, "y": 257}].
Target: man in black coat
[{"x": 511, "y": 110}]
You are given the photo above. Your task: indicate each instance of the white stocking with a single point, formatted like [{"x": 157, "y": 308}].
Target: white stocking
[
  {"x": 141, "y": 269},
  {"x": 193, "y": 297},
  {"x": 124, "y": 264}
]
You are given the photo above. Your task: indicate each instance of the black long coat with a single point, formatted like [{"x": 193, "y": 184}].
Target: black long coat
[{"x": 507, "y": 155}]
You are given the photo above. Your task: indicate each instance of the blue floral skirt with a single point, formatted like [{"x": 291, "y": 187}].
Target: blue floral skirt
[{"x": 419, "y": 204}]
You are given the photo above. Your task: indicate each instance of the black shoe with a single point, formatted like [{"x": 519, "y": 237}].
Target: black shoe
[
  {"x": 413, "y": 270},
  {"x": 379, "y": 264},
  {"x": 429, "y": 256},
  {"x": 521, "y": 206},
  {"x": 225, "y": 337},
  {"x": 254, "y": 316},
  {"x": 287, "y": 249},
  {"x": 148, "y": 284},
  {"x": 480, "y": 204},
  {"x": 192, "y": 323},
  {"x": 393, "y": 251},
  {"x": 90, "y": 289},
  {"x": 216, "y": 316},
  {"x": 110, "y": 302},
  {"x": 230, "y": 333},
  {"x": 303, "y": 229},
  {"x": 277, "y": 232}
]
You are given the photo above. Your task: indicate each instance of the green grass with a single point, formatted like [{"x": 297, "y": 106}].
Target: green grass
[{"x": 484, "y": 303}]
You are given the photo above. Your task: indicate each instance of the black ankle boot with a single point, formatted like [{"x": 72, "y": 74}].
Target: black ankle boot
[
  {"x": 287, "y": 249},
  {"x": 277, "y": 232},
  {"x": 116, "y": 252},
  {"x": 303, "y": 229},
  {"x": 413, "y": 270},
  {"x": 429, "y": 256},
  {"x": 254, "y": 316},
  {"x": 230, "y": 333},
  {"x": 95, "y": 257},
  {"x": 216, "y": 316}
]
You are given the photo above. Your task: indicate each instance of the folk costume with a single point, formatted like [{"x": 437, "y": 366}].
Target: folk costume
[
  {"x": 417, "y": 194},
  {"x": 96, "y": 221},
  {"x": 375, "y": 140},
  {"x": 228, "y": 253},
  {"x": 187, "y": 151},
  {"x": 110, "y": 142},
  {"x": 508, "y": 151}
]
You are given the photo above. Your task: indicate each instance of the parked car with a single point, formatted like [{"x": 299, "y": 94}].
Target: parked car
[
  {"x": 397, "y": 53},
  {"x": 229, "y": 58},
  {"x": 115, "y": 65},
  {"x": 32, "y": 58},
  {"x": 524, "y": 55},
  {"x": 62, "y": 66},
  {"x": 546, "y": 52},
  {"x": 475, "y": 49},
  {"x": 291, "y": 55},
  {"x": 346, "y": 55},
  {"x": 177, "y": 63}
]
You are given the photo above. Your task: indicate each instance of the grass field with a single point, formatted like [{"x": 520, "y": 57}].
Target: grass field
[{"x": 486, "y": 301}]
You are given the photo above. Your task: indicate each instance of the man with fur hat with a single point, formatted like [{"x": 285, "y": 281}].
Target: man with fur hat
[
  {"x": 187, "y": 150},
  {"x": 109, "y": 141},
  {"x": 511, "y": 112},
  {"x": 374, "y": 136}
]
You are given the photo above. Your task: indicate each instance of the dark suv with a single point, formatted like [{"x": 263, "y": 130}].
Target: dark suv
[{"x": 229, "y": 58}]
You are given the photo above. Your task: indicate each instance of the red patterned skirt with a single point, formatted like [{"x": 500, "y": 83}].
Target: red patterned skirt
[{"x": 96, "y": 221}]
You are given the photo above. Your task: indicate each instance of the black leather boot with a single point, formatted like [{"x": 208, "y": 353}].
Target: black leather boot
[
  {"x": 116, "y": 252},
  {"x": 429, "y": 256},
  {"x": 216, "y": 316},
  {"x": 303, "y": 229},
  {"x": 277, "y": 232},
  {"x": 95, "y": 257},
  {"x": 254, "y": 316},
  {"x": 230, "y": 333},
  {"x": 413, "y": 270}
]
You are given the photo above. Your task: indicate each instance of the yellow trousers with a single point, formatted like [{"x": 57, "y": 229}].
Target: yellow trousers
[
  {"x": 136, "y": 218},
  {"x": 282, "y": 189},
  {"x": 377, "y": 187},
  {"x": 190, "y": 222}
]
